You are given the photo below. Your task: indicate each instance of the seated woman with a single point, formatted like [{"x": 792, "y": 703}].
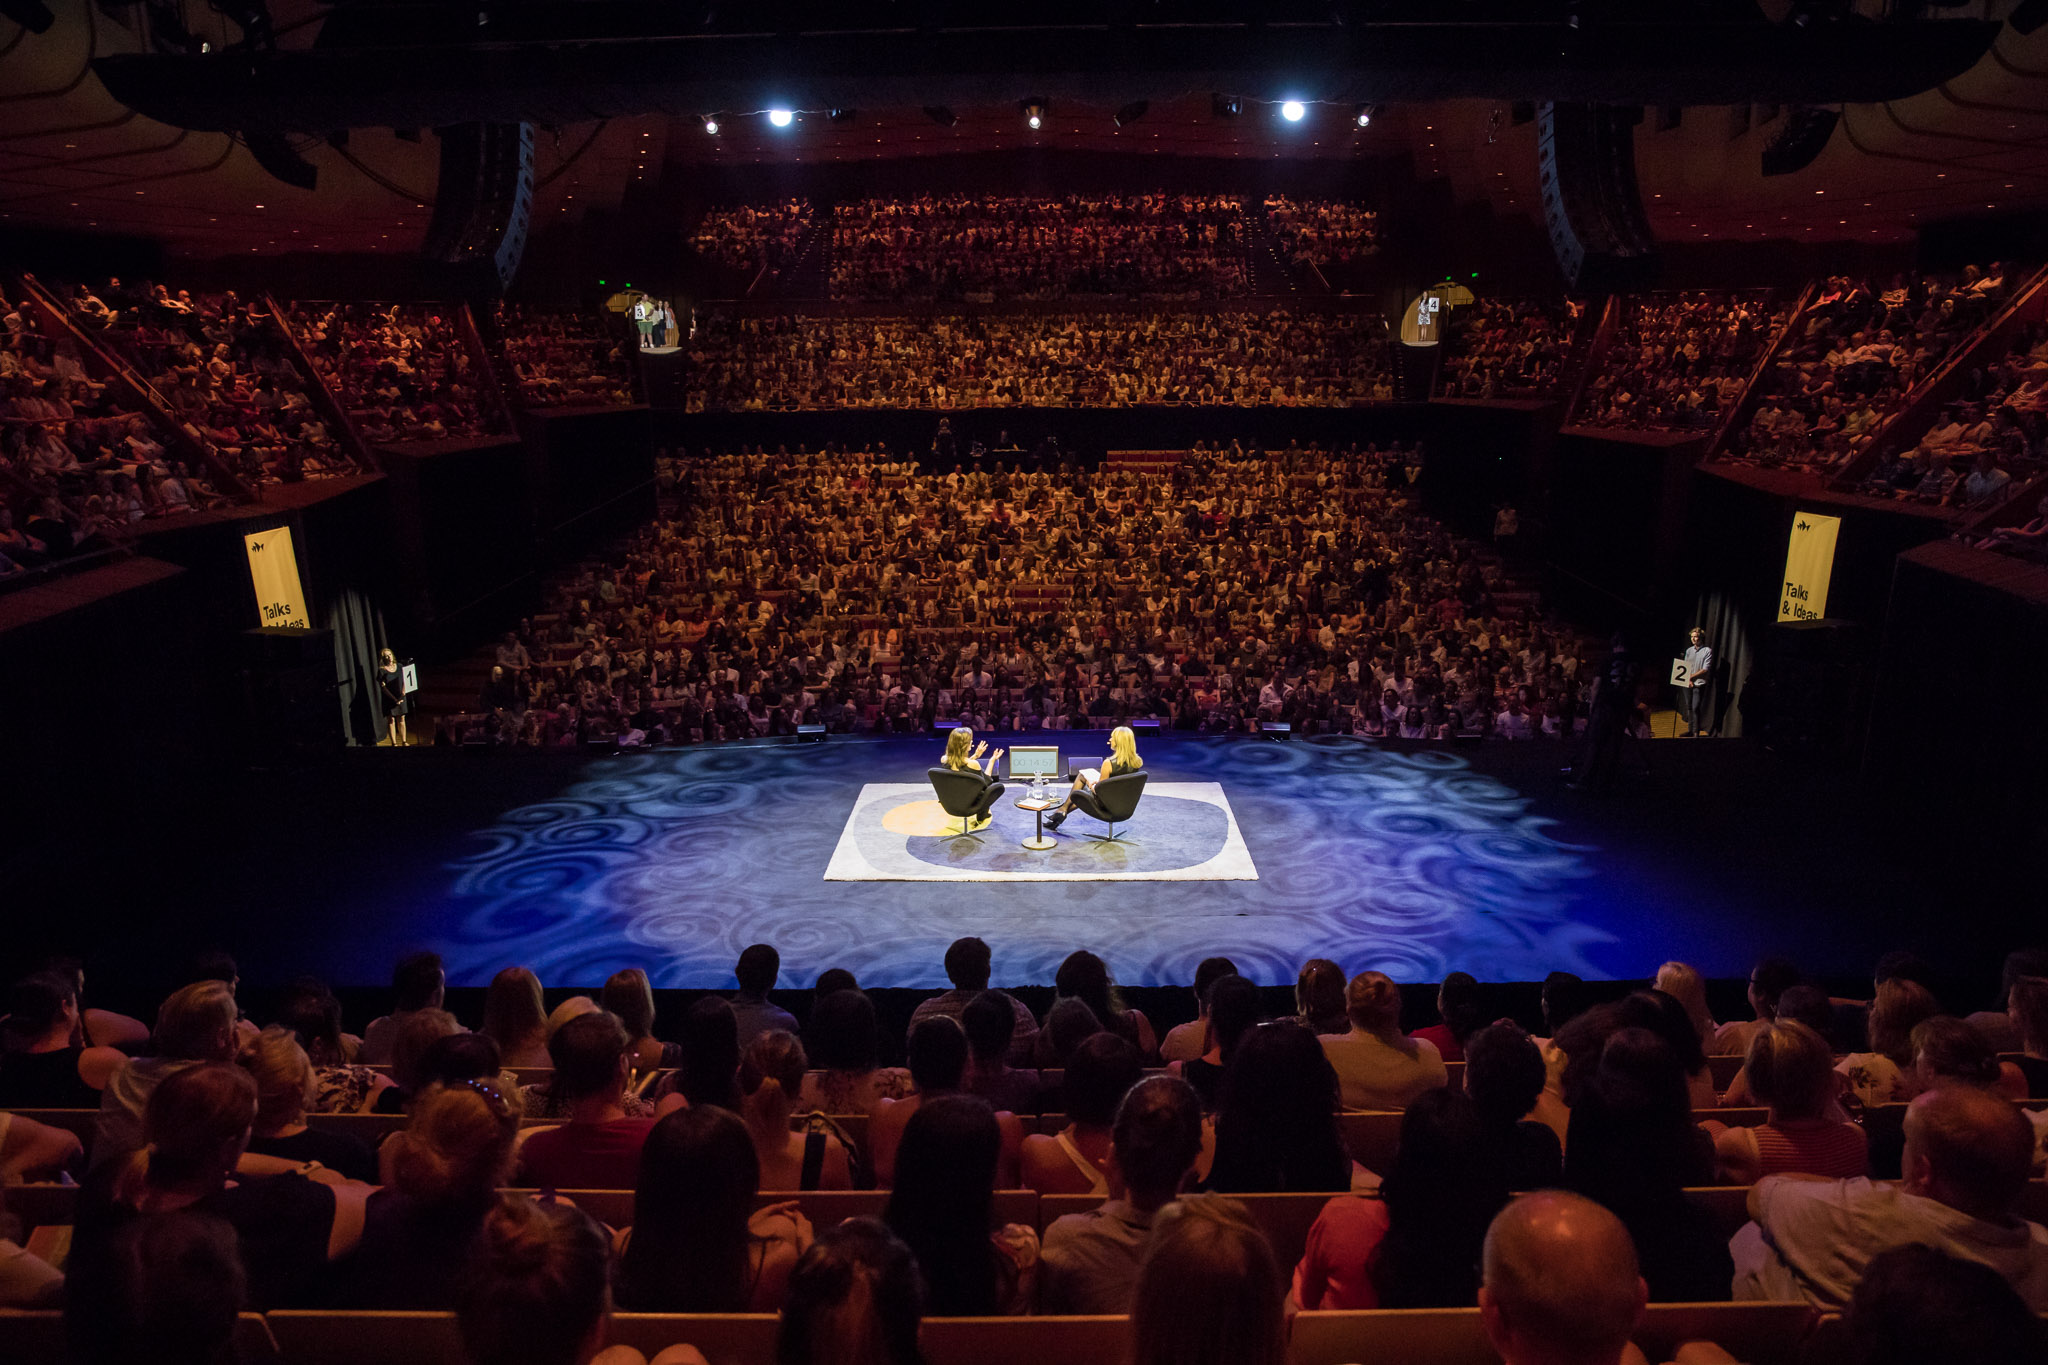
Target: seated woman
[
  {"x": 1123, "y": 758},
  {"x": 1076, "y": 1159},
  {"x": 963, "y": 755},
  {"x": 1792, "y": 1071}
]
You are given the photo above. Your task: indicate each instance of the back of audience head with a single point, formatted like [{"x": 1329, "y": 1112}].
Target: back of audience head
[
  {"x": 1969, "y": 1149},
  {"x": 968, "y": 963},
  {"x": 1373, "y": 1003},
  {"x": 312, "y": 1012},
  {"x": 1442, "y": 1192},
  {"x": 1233, "y": 1011},
  {"x": 1068, "y": 1024},
  {"x": 283, "y": 1076},
  {"x": 1809, "y": 1005},
  {"x": 211, "y": 964},
  {"x": 1504, "y": 1073},
  {"x": 1917, "y": 1304},
  {"x": 773, "y": 1058},
  {"x": 36, "y": 1007},
  {"x": 841, "y": 1034},
  {"x": 418, "y": 982},
  {"x": 196, "y": 1023},
  {"x": 1085, "y": 977},
  {"x": 937, "y": 1055},
  {"x": 1276, "y": 1128},
  {"x": 589, "y": 1053},
  {"x": 710, "y": 1040},
  {"x": 1156, "y": 1138},
  {"x": 175, "y": 1286},
  {"x": 629, "y": 998},
  {"x": 1208, "y": 972},
  {"x": 689, "y": 1250},
  {"x": 197, "y": 1123},
  {"x": 834, "y": 979},
  {"x": 2027, "y": 1006},
  {"x": 1099, "y": 1074},
  {"x": 1319, "y": 994},
  {"x": 414, "y": 1035},
  {"x": 856, "y": 1298},
  {"x": 1947, "y": 1050},
  {"x": 1900, "y": 1007},
  {"x": 1209, "y": 1292},
  {"x": 1560, "y": 1284},
  {"x": 757, "y": 968},
  {"x": 536, "y": 1288},
  {"x": 1564, "y": 999},
  {"x": 514, "y": 1013},
  {"x": 1768, "y": 980},
  {"x": 1664, "y": 1016},
  {"x": 1791, "y": 1069},
  {"x": 458, "y": 1146},
  {"x": 1683, "y": 983},
  {"x": 945, "y": 1185},
  {"x": 990, "y": 1023}
]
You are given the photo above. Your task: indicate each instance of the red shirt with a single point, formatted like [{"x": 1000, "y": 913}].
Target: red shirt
[
  {"x": 1334, "y": 1270},
  {"x": 1440, "y": 1034},
  {"x": 585, "y": 1156}
]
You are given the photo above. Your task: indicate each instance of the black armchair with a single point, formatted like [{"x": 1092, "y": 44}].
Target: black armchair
[
  {"x": 964, "y": 795},
  {"x": 1112, "y": 799}
]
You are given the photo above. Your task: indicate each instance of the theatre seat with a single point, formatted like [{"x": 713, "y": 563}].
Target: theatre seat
[
  {"x": 39, "y": 1337},
  {"x": 1755, "y": 1333},
  {"x": 319, "y": 1337},
  {"x": 1113, "y": 799}
]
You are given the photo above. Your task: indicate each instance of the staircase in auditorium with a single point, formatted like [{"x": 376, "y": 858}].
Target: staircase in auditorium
[
  {"x": 1146, "y": 461},
  {"x": 1270, "y": 275},
  {"x": 809, "y": 275}
]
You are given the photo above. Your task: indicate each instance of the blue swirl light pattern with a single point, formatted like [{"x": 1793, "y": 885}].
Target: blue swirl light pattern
[{"x": 1409, "y": 862}]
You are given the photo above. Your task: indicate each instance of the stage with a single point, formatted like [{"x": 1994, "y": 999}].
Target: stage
[{"x": 1414, "y": 859}]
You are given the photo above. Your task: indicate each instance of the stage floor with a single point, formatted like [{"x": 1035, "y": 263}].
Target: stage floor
[{"x": 1413, "y": 859}]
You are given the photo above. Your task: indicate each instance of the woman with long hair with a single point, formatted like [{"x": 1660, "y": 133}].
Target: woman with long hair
[
  {"x": 629, "y": 997},
  {"x": 1085, "y": 977},
  {"x": 940, "y": 1206},
  {"x": 516, "y": 1019},
  {"x": 1123, "y": 758},
  {"x": 856, "y": 1298},
  {"x": 1076, "y": 1159},
  {"x": 1233, "y": 1011},
  {"x": 771, "y": 1079},
  {"x": 1209, "y": 1292},
  {"x": 284, "y": 1085},
  {"x": 1319, "y": 996},
  {"x": 844, "y": 1045},
  {"x": 1276, "y": 1129},
  {"x": 698, "y": 1244},
  {"x": 963, "y": 755},
  {"x": 1791, "y": 1070}
]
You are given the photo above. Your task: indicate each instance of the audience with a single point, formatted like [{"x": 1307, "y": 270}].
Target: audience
[
  {"x": 1559, "y": 1283},
  {"x": 1233, "y": 1008},
  {"x": 516, "y": 1019},
  {"x": 417, "y": 983},
  {"x": 843, "y": 1044},
  {"x": 771, "y": 1079},
  {"x": 599, "y": 1146},
  {"x": 284, "y": 1084},
  {"x": 536, "y": 1289},
  {"x": 195, "y": 1025},
  {"x": 1505, "y": 1076},
  {"x": 1091, "y": 1260},
  {"x": 856, "y": 1298},
  {"x": 564, "y": 359},
  {"x": 1459, "y": 1016},
  {"x": 938, "y": 1067},
  {"x": 1209, "y": 1292},
  {"x": 755, "y": 1014},
  {"x": 1319, "y": 997},
  {"x": 747, "y": 237},
  {"x": 43, "y": 1062},
  {"x": 1276, "y": 1129},
  {"x": 1185, "y": 1042},
  {"x": 1918, "y": 1303},
  {"x": 990, "y": 1023},
  {"x": 402, "y": 372},
  {"x": 1968, "y": 1155},
  {"x": 1075, "y": 1160},
  {"x": 1508, "y": 348},
  {"x": 698, "y": 1244},
  {"x": 968, "y": 964},
  {"x": 940, "y": 1207},
  {"x": 1791, "y": 1071},
  {"x": 1335, "y": 238},
  {"x": 1377, "y": 1066},
  {"x": 1681, "y": 360}
]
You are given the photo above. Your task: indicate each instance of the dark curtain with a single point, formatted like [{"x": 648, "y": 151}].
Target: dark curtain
[
  {"x": 1727, "y": 625},
  {"x": 358, "y": 628}
]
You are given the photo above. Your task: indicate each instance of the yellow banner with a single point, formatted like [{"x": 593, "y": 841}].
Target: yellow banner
[
  {"x": 274, "y": 569},
  {"x": 1809, "y": 563}
]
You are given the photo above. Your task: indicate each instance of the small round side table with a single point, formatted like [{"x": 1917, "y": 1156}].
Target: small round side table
[{"x": 1039, "y": 840}]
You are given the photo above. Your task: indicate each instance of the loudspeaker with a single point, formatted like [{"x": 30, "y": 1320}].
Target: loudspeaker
[
  {"x": 1586, "y": 170},
  {"x": 1795, "y": 145},
  {"x": 483, "y": 203}
]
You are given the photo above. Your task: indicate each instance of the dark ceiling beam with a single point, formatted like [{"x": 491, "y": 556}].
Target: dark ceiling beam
[{"x": 410, "y": 78}]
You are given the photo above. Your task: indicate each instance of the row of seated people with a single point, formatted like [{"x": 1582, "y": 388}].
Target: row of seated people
[
  {"x": 562, "y": 358},
  {"x": 747, "y": 237},
  {"x": 1681, "y": 360},
  {"x": 83, "y": 470},
  {"x": 402, "y": 372},
  {"x": 980, "y": 248},
  {"x": 222, "y": 366},
  {"x": 1046, "y": 360},
  {"x": 1336, "y": 237},
  {"x": 1509, "y": 348},
  {"x": 1986, "y": 437},
  {"x": 1852, "y": 359},
  {"x": 210, "y": 1115},
  {"x": 1302, "y": 584}
]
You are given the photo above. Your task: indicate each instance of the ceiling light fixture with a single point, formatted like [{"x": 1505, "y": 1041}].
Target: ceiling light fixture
[
  {"x": 1294, "y": 111},
  {"x": 781, "y": 118},
  {"x": 1034, "y": 112},
  {"x": 711, "y": 125}
]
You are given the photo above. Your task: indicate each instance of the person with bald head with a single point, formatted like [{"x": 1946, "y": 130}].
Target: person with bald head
[
  {"x": 1968, "y": 1155},
  {"x": 1559, "y": 1283}
]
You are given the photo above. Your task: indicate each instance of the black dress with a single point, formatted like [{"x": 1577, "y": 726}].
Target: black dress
[{"x": 396, "y": 703}]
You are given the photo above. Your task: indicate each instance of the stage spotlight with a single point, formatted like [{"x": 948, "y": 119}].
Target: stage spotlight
[
  {"x": 1131, "y": 113},
  {"x": 843, "y": 115},
  {"x": 1366, "y": 113},
  {"x": 781, "y": 118},
  {"x": 1225, "y": 106},
  {"x": 1294, "y": 111},
  {"x": 1034, "y": 113},
  {"x": 711, "y": 124},
  {"x": 941, "y": 115}
]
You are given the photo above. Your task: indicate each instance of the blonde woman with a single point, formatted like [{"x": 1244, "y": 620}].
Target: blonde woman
[
  {"x": 963, "y": 755},
  {"x": 1123, "y": 758}
]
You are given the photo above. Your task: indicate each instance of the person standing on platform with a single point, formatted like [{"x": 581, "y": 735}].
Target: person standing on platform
[
  {"x": 963, "y": 755},
  {"x": 397, "y": 705},
  {"x": 1699, "y": 677}
]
